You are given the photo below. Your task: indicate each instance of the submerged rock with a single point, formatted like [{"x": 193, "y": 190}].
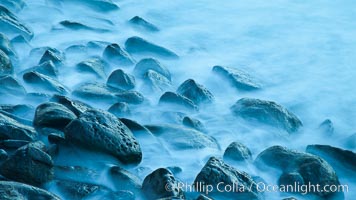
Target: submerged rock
[
  {"x": 154, "y": 81},
  {"x": 76, "y": 190},
  {"x": 13, "y": 190},
  {"x": 119, "y": 79},
  {"x": 10, "y": 85},
  {"x": 97, "y": 5},
  {"x": 193, "y": 123},
  {"x": 266, "y": 112},
  {"x": 19, "y": 109},
  {"x": 10, "y": 24},
  {"x": 77, "y": 107},
  {"x": 74, "y": 25},
  {"x": 95, "y": 66},
  {"x": 6, "y": 46},
  {"x": 216, "y": 172},
  {"x": 46, "y": 68},
  {"x": 54, "y": 55},
  {"x": 173, "y": 99},
  {"x": 237, "y": 151},
  {"x": 96, "y": 91},
  {"x": 102, "y": 131},
  {"x": 237, "y": 78},
  {"x": 118, "y": 56},
  {"x": 11, "y": 128},
  {"x": 120, "y": 109},
  {"x": 141, "y": 46},
  {"x": 327, "y": 127},
  {"x": 161, "y": 184},
  {"x": 195, "y": 92},
  {"x": 124, "y": 180},
  {"x": 13, "y": 5},
  {"x": 141, "y": 24},
  {"x": 53, "y": 115},
  {"x": 29, "y": 164},
  {"x": 6, "y": 67},
  {"x": 44, "y": 82},
  {"x": 311, "y": 168},
  {"x": 147, "y": 64}
]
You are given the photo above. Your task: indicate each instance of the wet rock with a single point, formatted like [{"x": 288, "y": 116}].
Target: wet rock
[
  {"x": 124, "y": 180},
  {"x": 74, "y": 25},
  {"x": 216, "y": 171},
  {"x": 3, "y": 155},
  {"x": 173, "y": 99},
  {"x": 327, "y": 127},
  {"x": 154, "y": 81},
  {"x": 44, "y": 82},
  {"x": 29, "y": 165},
  {"x": 266, "y": 112},
  {"x": 76, "y": 173},
  {"x": 95, "y": 66},
  {"x": 77, "y": 107},
  {"x": 102, "y": 131},
  {"x": 10, "y": 145},
  {"x": 173, "y": 117},
  {"x": 141, "y": 24},
  {"x": 237, "y": 151},
  {"x": 193, "y": 123},
  {"x": 120, "y": 109},
  {"x": 97, "y": 5},
  {"x": 337, "y": 157},
  {"x": 118, "y": 56},
  {"x": 6, "y": 67},
  {"x": 119, "y": 79},
  {"x": 53, "y": 55},
  {"x": 11, "y": 86},
  {"x": 13, "y": 5},
  {"x": 147, "y": 64},
  {"x": 290, "y": 177},
  {"x": 195, "y": 92},
  {"x": 76, "y": 190},
  {"x": 311, "y": 168},
  {"x": 203, "y": 197},
  {"x": 46, "y": 68},
  {"x": 19, "y": 119},
  {"x": 155, "y": 185},
  {"x": 141, "y": 46},
  {"x": 237, "y": 78},
  {"x": 135, "y": 127},
  {"x": 179, "y": 138},
  {"x": 53, "y": 115},
  {"x": 6, "y": 46},
  {"x": 13, "y": 129},
  {"x": 11, "y": 25},
  {"x": 13, "y": 190},
  {"x": 350, "y": 142},
  {"x": 131, "y": 97},
  {"x": 96, "y": 91},
  {"x": 20, "y": 110}
]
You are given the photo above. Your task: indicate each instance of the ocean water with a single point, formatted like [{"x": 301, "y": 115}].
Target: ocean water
[{"x": 302, "y": 52}]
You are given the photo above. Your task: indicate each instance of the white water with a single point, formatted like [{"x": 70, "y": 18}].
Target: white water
[{"x": 303, "y": 53}]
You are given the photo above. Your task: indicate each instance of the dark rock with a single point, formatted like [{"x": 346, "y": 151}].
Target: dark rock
[
  {"x": 77, "y": 107},
  {"x": 124, "y": 180},
  {"x": 10, "y": 85},
  {"x": 20, "y": 109},
  {"x": 53, "y": 115},
  {"x": 3, "y": 155},
  {"x": 44, "y": 82},
  {"x": 120, "y": 109},
  {"x": 195, "y": 92},
  {"x": 193, "y": 123},
  {"x": 175, "y": 170},
  {"x": 30, "y": 165},
  {"x": 266, "y": 112},
  {"x": 203, "y": 197},
  {"x": 119, "y": 79},
  {"x": 155, "y": 81},
  {"x": 53, "y": 55},
  {"x": 350, "y": 141},
  {"x": 118, "y": 56},
  {"x": 311, "y": 168},
  {"x": 183, "y": 138},
  {"x": 237, "y": 78},
  {"x": 15, "y": 117},
  {"x": 76, "y": 173},
  {"x": 6, "y": 67},
  {"x": 12, "y": 129},
  {"x": 74, "y": 25},
  {"x": 97, "y": 91},
  {"x": 290, "y": 198},
  {"x": 173, "y": 117},
  {"x": 11, "y": 25},
  {"x": 76, "y": 190},
  {"x": 97, "y": 5},
  {"x": 12, "y": 190},
  {"x": 237, "y": 151},
  {"x": 11, "y": 145},
  {"x": 142, "y": 24},
  {"x": 147, "y": 64},
  {"x": 131, "y": 97},
  {"x": 290, "y": 177},
  {"x": 327, "y": 127},
  {"x": 141, "y": 46},
  {"x": 173, "y": 99},
  {"x": 337, "y": 157},
  {"x": 162, "y": 184},
  {"x": 46, "y": 68},
  {"x": 102, "y": 131},
  {"x": 95, "y": 66},
  {"x": 13, "y": 5},
  {"x": 216, "y": 171},
  {"x": 6, "y": 46}
]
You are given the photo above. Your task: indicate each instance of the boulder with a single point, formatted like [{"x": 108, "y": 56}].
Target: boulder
[
  {"x": 77, "y": 107},
  {"x": 124, "y": 180},
  {"x": 237, "y": 78},
  {"x": 119, "y": 79},
  {"x": 130, "y": 97},
  {"x": 238, "y": 152},
  {"x": 146, "y": 64},
  {"x": 266, "y": 112},
  {"x": 203, "y": 197},
  {"x": 30, "y": 165},
  {"x": 11, "y": 25},
  {"x": 102, "y": 131},
  {"x": 154, "y": 81},
  {"x": 137, "y": 45},
  {"x": 96, "y": 91},
  {"x": 120, "y": 109},
  {"x": 118, "y": 56},
  {"x": 6, "y": 67},
  {"x": 75, "y": 26},
  {"x": 6, "y": 46},
  {"x": 161, "y": 184},
  {"x": 53, "y": 115},
  {"x": 13, "y": 190},
  {"x": 13, "y": 5},
  {"x": 197, "y": 93},
  {"x": 177, "y": 100},
  {"x": 193, "y": 123},
  {"x": 94, "y": 66},
  {"x": 11, "y": 86},
  {"x": 46, "y": 68},
  {"x": 11, "y": 128},
  {"x": 44, "y": 82},
  {"x": 76, "y": 190},
  {"x": 311, "y": 168},
  {"x": 141, "y": 24},
  {"x": 54, "y": 55},
  {"x": 19, "y": 109},
  {"x": 218, "y": 174}
]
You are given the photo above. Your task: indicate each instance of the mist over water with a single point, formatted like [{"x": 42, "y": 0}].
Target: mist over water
[{"x": 301, "y": 52}]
